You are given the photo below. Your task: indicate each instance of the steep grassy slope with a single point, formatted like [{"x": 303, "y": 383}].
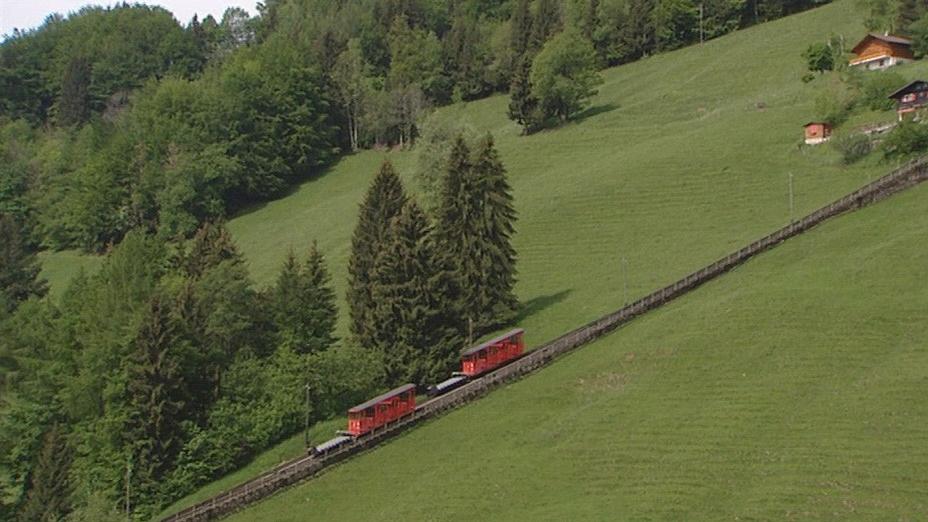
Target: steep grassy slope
[
  {"x": 791, "y": 388},
  {"x": 683, "y": 158}
]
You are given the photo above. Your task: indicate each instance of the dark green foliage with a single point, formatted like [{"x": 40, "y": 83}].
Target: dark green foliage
[
  {"x": 73, "y": 106},
  {"x": 545, "y": 23},
  {"x": 19, "y": 266},
  {"x": 523, "y": 106},
  {"x": 907, "y": 139},
  {"x": 156, "y": 397},
  {"x": 385, "y": 199},
  {"x": 304, "y": 304},
  {"x": 907, "y": 13},
  {"x": 875, "y": 89},
  {"x": 638, "y": 33},
  {"x": 564, "y": 75},
  {"x": 919, "y": 32},
  {"x": 474, "y": 229},
  {"x": 520, "y": 28},
  {"x": 852, "y": 147},
  {"x": 819, "y": 57},
  {"x": 49, "y": 498},
  {"x": 416, "y": 322}
]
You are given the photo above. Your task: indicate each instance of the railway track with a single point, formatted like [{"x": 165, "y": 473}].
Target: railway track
[{"x": 305, "y": 467}]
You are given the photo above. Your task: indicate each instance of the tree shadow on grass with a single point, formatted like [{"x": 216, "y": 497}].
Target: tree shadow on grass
[
  {"x": 594, "y": 111},
  {"x": 538, "y": 304}
]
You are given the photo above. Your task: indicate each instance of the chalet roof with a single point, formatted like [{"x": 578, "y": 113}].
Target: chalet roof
[
  {"x": 888, "y": 38},
  {"x": 909, "y": 87},
  {"x": 380, "y": 398},
  {"x": 495, "y": 340}
]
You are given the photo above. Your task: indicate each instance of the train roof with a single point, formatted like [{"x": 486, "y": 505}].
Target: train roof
[
  {"x": 493, "y": 341},
  {"x": 381, "y": 398}
]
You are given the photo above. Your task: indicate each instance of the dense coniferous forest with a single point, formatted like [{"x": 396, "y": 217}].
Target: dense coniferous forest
[{"x": 127, "y": 133}]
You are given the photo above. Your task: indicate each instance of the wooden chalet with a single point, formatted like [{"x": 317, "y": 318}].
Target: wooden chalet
[
  {"x": 879, "y": 51},
  {"x": 817, "y": 132},
  {"x": 910, "y": 98}
]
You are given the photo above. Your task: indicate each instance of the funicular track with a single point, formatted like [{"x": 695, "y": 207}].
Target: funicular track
[{"x": 308, "y": 466}]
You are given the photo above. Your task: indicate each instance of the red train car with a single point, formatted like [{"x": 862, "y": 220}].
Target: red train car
[
  {"x": 493, "y": 353},
  {"x": 382, "y": 409}
]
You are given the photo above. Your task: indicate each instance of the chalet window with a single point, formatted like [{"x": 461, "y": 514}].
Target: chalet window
[{"x": 908, "y": 98}]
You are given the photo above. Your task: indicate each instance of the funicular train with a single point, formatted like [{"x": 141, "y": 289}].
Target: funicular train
[{"x": 400, "y": 402}]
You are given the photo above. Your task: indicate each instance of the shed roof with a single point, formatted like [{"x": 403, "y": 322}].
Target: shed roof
[
  {"x": 380, "y": 398},
  {"x": 495, "y": 340},
  {"x": 909, "y": 87},
  {"x": 825, "y": 123},
  {"x": 888, "y": 38}
]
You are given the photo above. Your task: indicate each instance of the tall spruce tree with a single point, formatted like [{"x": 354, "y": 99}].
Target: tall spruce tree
[
  {"x": 547, "y": 22},
  {"x": 499, "y": 217},
  {"x": 474, "y": 227},
  {"x": 19, "y": 266},
  {"x": 49, "y": 496},
  {"x": 417, "y": 323},
  {"x": 520, "y": 23},
  {"x": 523, "y": 106},
  {"x": 156, "y": 400},
  {"x": 211, "y": 245},
  {"x": 304, "y": 303},
  {"x": 384, "y": 200}
]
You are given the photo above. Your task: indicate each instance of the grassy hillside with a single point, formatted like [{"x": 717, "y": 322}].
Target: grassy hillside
[
  {"x": 789, "y": 389},
  {"x": 682, "y": 158}
]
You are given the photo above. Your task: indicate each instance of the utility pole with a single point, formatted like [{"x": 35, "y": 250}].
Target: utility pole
[
  {"x": 790, "y": 196},
  {"x": 625, "y": 279},
  {"x": 306, "y": 425},
  {"x": 700, "y": 23},
  {"x": 128, "y": 481}
]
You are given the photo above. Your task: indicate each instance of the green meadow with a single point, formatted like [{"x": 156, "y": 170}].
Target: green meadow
[{"x": 709, "y": 406}]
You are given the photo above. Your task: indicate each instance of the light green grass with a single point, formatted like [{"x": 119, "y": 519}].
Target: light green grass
[
  {"x": 790, "y": 389},
  {"x": 682, "y": 158},
  {"x": 59, "y": 268}
]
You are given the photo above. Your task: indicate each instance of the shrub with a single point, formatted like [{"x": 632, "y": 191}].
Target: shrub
[
  {"x": 875, "y": 89},
  {"x": 907, "y": 138},
  {"x": 852, "y": 147}
]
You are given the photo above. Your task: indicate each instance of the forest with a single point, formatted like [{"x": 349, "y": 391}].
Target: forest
[{"x": 126, "y": 133}]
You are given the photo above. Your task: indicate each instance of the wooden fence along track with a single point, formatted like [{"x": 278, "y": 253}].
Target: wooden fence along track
[{"x": 302, "y": 468}]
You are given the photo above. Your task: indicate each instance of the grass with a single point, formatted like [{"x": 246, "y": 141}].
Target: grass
[
  {"x": 789, "y": 389},
  {"x": 682, "y": 158}
]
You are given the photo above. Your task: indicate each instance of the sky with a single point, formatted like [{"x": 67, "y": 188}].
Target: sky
[{"x": 26, "y": 14}]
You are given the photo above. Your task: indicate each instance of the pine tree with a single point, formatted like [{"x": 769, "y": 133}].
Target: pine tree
[
  {"x": 499, "y": 302},
  {"x": 156, "y": 400},
  {"x": 474, "y": 227},
  {"x": 521, "y": 29},
  {"x": 417, "y": 322},
  {"x": 546, "y": 23},
  {"x": 49, "y": 495},
  {"x": 211, "y": 245},
  {"x": 19, "y": 266},
  {"x": 638, "y": 35},
  {"x": 384, "y": 201},
  {"x": 908, "y": 12},
  {"x": 304, "y": 304},
  {"x": 523, "y": 107}
]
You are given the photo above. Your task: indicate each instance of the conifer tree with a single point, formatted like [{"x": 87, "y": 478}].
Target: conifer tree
[
  {"x": 304, "y": 303},
  {"x": 474, "y": 227},
  {"x": 49, "y": 496},
  {"x": 211, "y": 245},
  {"x": 156, "y": 400},
  {"x": 547, "y": 21},
  {"x": 19, "y": 266},
  {"x": 499, "y": 302},
  {"x": 521, "y": 29},
  {"x": 384, "y": 200},
  {"x": 417, "y": 323},
  {"x": 523, "y": 106}
]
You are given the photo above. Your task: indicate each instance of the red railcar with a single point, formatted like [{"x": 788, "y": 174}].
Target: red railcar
[
  {"x": 382, "y": 409},
  {"x": 493, "y": 353}
]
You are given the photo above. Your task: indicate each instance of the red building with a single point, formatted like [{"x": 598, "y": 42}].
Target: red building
[
  {"x": 817, "y": 132},
  {"x": 879, "y": 51},
  {"x": 382, "y": 409},
  {"x": 493, "y": 353},
  {"x": 910, "y": 98}
]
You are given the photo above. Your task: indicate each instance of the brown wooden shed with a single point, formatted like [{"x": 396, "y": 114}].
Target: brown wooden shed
[{"x": 817, "y": 132}]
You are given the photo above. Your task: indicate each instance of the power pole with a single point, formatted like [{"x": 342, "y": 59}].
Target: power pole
[
  {"x": 625, "y": 279},
  {"x": 700, "y": 23},
  {"x": 306, "y": 425},
  {"x": 128, "y": 481}
]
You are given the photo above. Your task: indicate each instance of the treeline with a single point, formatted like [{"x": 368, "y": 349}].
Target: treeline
[
  {"x": 161, "y": 372},
  {"x": 120, "y": 118},
  {"x": 167, "y": 369}
]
